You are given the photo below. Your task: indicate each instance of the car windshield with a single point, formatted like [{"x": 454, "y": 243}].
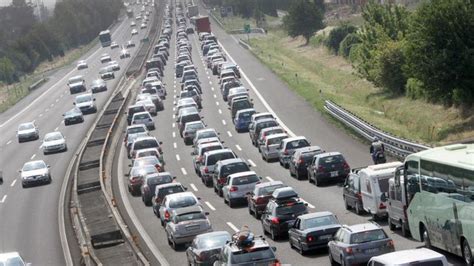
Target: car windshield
[
  {"x": 319, "y": 221},
  {"x": 13, "y": 261},
  {"x": 170, "y": 190},
  {"x": 242, "y": 104},
  {"x": 26, "y": 126},
  {"x": 308, "y": 156},
  {"x": 141, "y": 116},
  {"x": 211, "y": 148},
  {"x": 190, "y": 118},
  {"x": 53, "y": 136},
  {"x": 252, "y": 255},
  {"x": 278, "y": 140},
  {"x": 136, "y": 109},
  {"x": 157, "y": 180},
  {"x": 182, "y": 202},
  {"x": 291, "y": 208},
  {"x": 75, "y": 80},
  {"x": 266, "y": 124},
  {"x": 83, "y": 98},
  {"x": 189, "y": 93},
  {"x": 213, "y": 159},
  {"x": 268, "y": 190},
  {"x": 368, "y": 236},
  {"x": 73, "y": 112},
  {"x": 194, "y": 126},
  {"x": 244, "y": 180},
  {"x": 207, "y": 134},
  {"x": 143, "y": 144},
  {"x": 237, "y": 91},
  {"x": 301, "y": 143},
  {"x": 34, "y": 166},
  {"x": 190, "y": 216},
  {"x": 330, "y": 160},
  {"x": 234, "y": 168},
  {"x": 134, "y": 130},
  {"x": 212, "y": 242}
]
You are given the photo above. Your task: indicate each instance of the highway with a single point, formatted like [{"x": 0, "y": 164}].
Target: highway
[
  {"x": 29, "y": 217},
  {"x": 294, "y": 113}
]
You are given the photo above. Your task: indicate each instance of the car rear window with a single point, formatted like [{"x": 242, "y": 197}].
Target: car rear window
[
  {"x": 278, "y": 140},
  {"x": 194, "y": 126},
  {"x": 190, "y": 118},
  {"x": 368, "y": 236},
  {"x": 213, "y": 159},
  {"x": 134, "y": 130},
  {"x": 383, "y": 184},
  {"x": 319, "y": 221},
  {"x": 207, "y": 134},
  {"x": 308, "y": 156},
  {"x": 143, "y": 144},
  {"x": 182, "y": 202},
  {"x": 136, "y": 109},
  {"x": 190, "y": 216},
  {"x": 244, "y": 180},
  {"x": 169, "y": 190},
  {"x": 266, "y": 124},
  {"x": 252, "y": 255},
  {"x": 234, "y": 168},
  {"x": 291, "y": 208},
  {"x": 336, "y": 159},
  {"x": 242, "y": 105},
  {"x": 295, "y": 144},
  {"x": 159, "y": 180}
]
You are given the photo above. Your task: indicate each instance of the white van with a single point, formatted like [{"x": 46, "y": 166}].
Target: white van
[
  {"x": 410, "y": 257},
  {"x": 374, "y": 184},
  {"x": 397, "y": 204}
]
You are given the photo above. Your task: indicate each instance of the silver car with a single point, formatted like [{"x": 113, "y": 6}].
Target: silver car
[
  {"x": 199, "y": 151},
  {"x": 264, "y": 133},
  {"x": 238, "y": 185},
  {"x": 54, "y": 142},
  {"x": 270, "y": 148},
  {"x": 204, "y": 134},
  {"x": 288, "y": 147},
  {"x": 27, "y": 131},
  {"x": 190, "y": 129},
  {"x": 185, "y": 224},
  {"x": 209, "y": 161},
  {"x": 35, "y": 172},
  {"x": 175, "y": 201},
  {"x": 86, "y": 103},
  {"x": 143, "y": 118}
]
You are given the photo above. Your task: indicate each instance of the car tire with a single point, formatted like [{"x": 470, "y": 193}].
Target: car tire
[
  {"x": 66, "y": 123},
  {"x": 331, "y": 259},
  {"x": 466, "y": 253},
  {"x": 23, "y": 185},
  {"x": 405, "y": 231},
  {"x": 346, "y": 204},
  {"x": 297, "y": 175},
  {"x": 250, "y": 210},
  {"x": 357, "y": 209},
  {"x": 301, "y": 250},
  {"x": 216, "y": 190},
  {"x": 273, "y": 236},
  {"x": 231, "y": 204},
  {"x": 316, "y": 182},
  {"x": 162, "y": 223},
  {"x": 425, "y": 237}
]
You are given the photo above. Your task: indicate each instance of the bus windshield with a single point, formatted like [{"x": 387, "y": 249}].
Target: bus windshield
[{"x": 105, "y": 38}]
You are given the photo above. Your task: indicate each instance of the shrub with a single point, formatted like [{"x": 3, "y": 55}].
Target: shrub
[
  {"x": 336, "y": 36},
  {"x": 346, "y": 45}
]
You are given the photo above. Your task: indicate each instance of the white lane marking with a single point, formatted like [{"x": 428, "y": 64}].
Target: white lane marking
[
  {"x": 174, "y": 86},
  {"x": 47, "y": 109},
  {"x": 210, "y": 205},
  {"x": 238, "y": 147},
  {"x": 233, "y": 226},
  {"x": 177, "y": 157},
  {"x": 193, "y": 187},
  {"x": 212, "y": 88},
  {"x": 57, "y": 100},
  {"x": 33, "y": 156},
  {"x": 175, "y": 145},
  {"x": 269, "y": 179},
  {"x": 228, "y": 133},
  {"x": 173, "y": 125},
  {"x": 51, "y": 105},
  {"x": 56, "y": 129},
  {"x": 220, "y": 111},
  {"x": 269, "y": 108},
  {"x": 174, "y": 109},
  {"x": 309, "y": 204},
  {"x": 209, "y": 77},
  {"x": 210, "y": 82},
  {"x": 3, "y": 199},
  {"x": 13, "y": 183},
  {"x": 207, "y": 73},
  {"x": 251, "y": 163},
  {"x": 40, "y": 115},
  {"x": 217, "y": 103},
  {"x": 223, "y": 122},
  {"x": 184, "y": 171},
  {"x": 174, "y": 135},
  {"x": 215, "y": 96},
  {"x": 8, "y": 142}
]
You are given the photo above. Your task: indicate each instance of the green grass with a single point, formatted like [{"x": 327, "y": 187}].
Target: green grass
[
  {"x": 317, "y": 70},
  {"x": 237, "y": 22}
]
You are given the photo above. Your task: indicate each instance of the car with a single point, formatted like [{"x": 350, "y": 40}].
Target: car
[
  {"x": 114, "y": 65},
  {"x": 54, "y": 142},
  {"x": 161, "y": 191},
  {"x": 199, "y": 150},
  {"x": 281, "y": 212},
  {"x": 418, "y": 256},
  {"x": 224, "y": 168},
  {"x": 187, "y": 118},
  {"x": 351, "y": 192},
  {"x": 176, "y": 201},
  {"x": 143, "y": 118},
  {"x": 150, "y": 183},
  {"x": 143, "y": 26},
  {"x": 209, "y": 161},
  {"x": 238, "y": 185},
  {"x": 357, "y": 244},
  {"x": 106, "y": 73},
  {"x": 266, "y": 132},
  {"x": 149, "y": 105},
  {"x": 193, "y": 82},
  {"x": 239, "y": 104},
  {"x": 35, "y": 172},
  {"x": 86, "y": 103},
  {"x": 114, "y": 45},
  {"x": 242, "y": 119},
  {"x": 313, "y": 231},
  {"x": 98, "y": 85},
  {"x": 326, "y": 167},
  {"x": 124, "y": 53},
  {"x": 82, "y": 64},
  {"x": 145, "y": 142},
  {"x": 148, "y": 160},
  {"x": 149, "y": 152},
  {"x": 206, "y": 247},
  {"x": 190, "y": 129},
  {"x": 76, "y": 84},
  {"x": 12, "y": 258},
  {"x": 258, "y": 199},
  {"x": 194, "y": 94},
  {"x": 301, "y": 159},
  {"x": 185, "y": 224},
  {"x": 136, "y": 177},
  {"x": 205, "y": 133},
  {"x": 104, "y": 58},
  {"x": 130, "y": 44},
  {"x": 27, "y": 131},
  {"x": 73, "y": 116},
  {"x": 132, "y": 24},
  {"x": 134, "y": 32},
  {"x": 234, "y": 92},
  {"x": 288, "y": 147},
  {"x": 256, "y": 126},
  {"x": 270, "y": 148},
  {"x": 133, "y": 109}
]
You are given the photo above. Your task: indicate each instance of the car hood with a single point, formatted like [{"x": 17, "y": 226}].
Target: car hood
[
  {"x": 26, "y": 131},
  {"x": 34, "y": 173},
  {"x": 84, "y": 104},
  {"x": 75, "y": 84}
]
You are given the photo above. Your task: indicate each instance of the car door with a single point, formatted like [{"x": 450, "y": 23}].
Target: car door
[
  {"x": 266, "y": 216},
  {"x": 294, "y": 233},
  {"x": 225, "y": 187},
  {"x": 349, "y": 190},
  {"x": 335, "y": 246}
]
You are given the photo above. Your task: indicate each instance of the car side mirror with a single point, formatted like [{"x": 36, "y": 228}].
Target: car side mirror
[
  {"x": 19, "y": 171},
  {"x": 161, "y": 142},
  {"x": 129, "y": 165},
  {"x": 174, "y": 177},
  {"x": 94, "y": 99},
  {"x": 199, "y": 198},
  {"x": 274, "y": 249},
  {"x": 49, "y": 166},
  {"x": 74, "y": 103},
  {"x": 64, "y": 115},
  {"x": 206, "y": 213},
  {"x": 193, "y": 153}
]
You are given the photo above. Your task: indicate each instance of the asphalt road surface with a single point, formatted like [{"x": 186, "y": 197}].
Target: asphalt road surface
[{"x": 29, "y": 217}]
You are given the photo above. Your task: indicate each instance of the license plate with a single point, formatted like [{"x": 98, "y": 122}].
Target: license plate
[
  {"x": 290, "y": 223},
  {"x": 372, "y": 250},
  {"x": 334, "y": 173},
  {"x": 192, "y": 228},
  {"x": 325, "y": 237}
]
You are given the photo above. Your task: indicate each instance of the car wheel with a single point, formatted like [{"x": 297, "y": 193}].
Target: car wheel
[
  {"x": 466, "y": 253},
  {"x": 221, "y": 193},
  {"x": 310, "y": 179},
  {"x": 231, "y": 204},
  {"x": 316, "y": 182},
  {"x": 162, "y": 223},
  {"x": 23, "y": 185},
  {"x": 346, "y": 204},
  {"x": 250, "y": 210},
  {"x": 331, "y": 259},
  {"x": 405, "y": 231},
  {"x": 426, "y": 238},
  {"x": 273, "y": 236},
  {"x": 264, "y": 158},
  {"x": 286, "y": 165},
  {"x": 301, "y": 250},
  {"x": 391, "y": 225},
  {"x": 50, "y": 180},
  {"x": 216, "y": 190},
  {"x": 357, "y": 208},
  {"x": 297, "y": 175},
  {"x": 225, "y": 201},
  {"x": 263, "y": 229},
  {"x": 169, "y": 240},
  {"x": 343, "y": 262}
]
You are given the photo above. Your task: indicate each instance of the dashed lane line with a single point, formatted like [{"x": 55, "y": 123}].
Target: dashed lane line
[
  {"x": 210, "y": 205},
  {"x": 8, "y": 142},
  {"x": 269, "y": 179},
  {"x": 238, "y": 147},
  {"x": 3, "y": 199},
  {"x": 193, "y": 187},
  {"x": 184, "y": 171},
  {"x": 33, "y": 156},
  {"x": 178, "y": 158},
  {"x": 13, "y": 183},
  {"x": 175, "y": 145},
  {"x": 220, "y": 111},
  {"x": 228, "y": 133},
  {"x": 251, "y": 163},
  {"x": 231, "y": 225}
]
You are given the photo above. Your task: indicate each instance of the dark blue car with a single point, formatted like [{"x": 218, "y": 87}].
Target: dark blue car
[{"x": 242, "y": 119}]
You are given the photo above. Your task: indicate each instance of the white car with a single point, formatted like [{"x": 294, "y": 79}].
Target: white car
[
  {"x": 143, "y": 118},
  {"x": 86, "y": 103},
  {"x": 82, "y": 64},
  {"x": 114, "y": 65},
  {"x": 132, "y": 24},
  {"x": 27, "y": 131},
  {"x": 104, "y": 58},
  {"x": 114, "y": 45},
  {"x": 35, "y": 172},
  {"x": 134, "y": 32},
  {"x": 143, "y": 26},
  {"x": 124, "y": 54},
  {"x": 54, "y": 142},
  {"x": 149, "y": 106},
  {"x": 130, "y": 44}
]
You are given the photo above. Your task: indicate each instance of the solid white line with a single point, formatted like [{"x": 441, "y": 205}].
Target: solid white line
[
  {"x": 8, "y": 142},
  {"x": 220, "y": 111},
  {"x": 33, "y": 156},
  {"x": 184, "y": 171},
  {"x": 233, "y": 226},
  {"x": 193, "y": 187},
  {"x": 174, "y": 135},
  {"x": 210, "y": 205},
  {"x": 177, "y": 157},
  {"x": 217, "y": 103},
  {"x": 238, "y": 147},
  {"x": 56, "y": 129},
  {"x": 13, "y": 183},
  {"x": 269, "y": 108},
  {"x": 3, "y": 199},
  {"x": 174, "y": 145},
  {"x": 269, "y": 179},
  {"x": 251, "y": 163},
  {"x": 223, "y": 122},
  {"x": 228, "y": 133},
  {"x": 309, "y": 204}
]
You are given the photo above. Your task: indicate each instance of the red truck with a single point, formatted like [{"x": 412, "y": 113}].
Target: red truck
[{"x": 202, "y": 24}]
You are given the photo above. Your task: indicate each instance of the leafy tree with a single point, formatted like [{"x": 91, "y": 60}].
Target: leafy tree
[
  {"x": 348, "y": 43},
  {"x": 304, "y": 19},
  {"x": 390, "y": 60},
  {"x": 7, "y": 70},
  {"x": 440, "y": 50},
  {"x": 336, "y": 36}
]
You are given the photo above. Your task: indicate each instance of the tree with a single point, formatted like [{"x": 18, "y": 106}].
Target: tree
[
  {"x": 7, "y": 70},
  {"x": 347, "y": 44},
  {"x": 336, "y": 36},
  {"x": 390, "y": 61},
  {"x": 304, "y": 19},
  {"x": 440, "y": 50}
]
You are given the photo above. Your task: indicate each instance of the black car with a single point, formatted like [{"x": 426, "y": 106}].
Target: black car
[
  {"x": 351, "y": 192},
  {"x": 205, "y": 248},
  {"x": 224, "y": 168},
  {"x": 301, "y": 159},
  {"x": 73, "y": 116},
  {"x": 257, "y": 200},
  {"x": 281, "y": 212}
]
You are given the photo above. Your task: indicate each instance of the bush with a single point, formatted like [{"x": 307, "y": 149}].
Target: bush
[
  {"x": 414, "y": 89},
  {"x": 346, "y": 45},
  {"x": 318, "y": 40},
  {"x": 388, "y": 70},
  {"x": 336, "y": 36}
]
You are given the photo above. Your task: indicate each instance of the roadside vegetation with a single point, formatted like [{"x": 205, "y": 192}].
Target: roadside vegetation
[{"x": 405, "y": 70}]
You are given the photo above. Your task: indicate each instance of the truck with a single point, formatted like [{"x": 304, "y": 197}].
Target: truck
[
  {"x": 130, "y": 13},
  {"x": 193, "y": 11},
  {"x": 202, "y": 24}
]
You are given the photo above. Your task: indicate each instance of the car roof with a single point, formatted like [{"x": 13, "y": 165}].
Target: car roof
[
  {"x": 246, "y": 110},
  {"x": 308, "y": 149},
  {"x": 265, "y": 120},
  {"x": 209, "y": 153},
  {"x": 173, "y": 184},
  {"x": 274, "y": 136},
  {"x": 189, "y": 209},
  {"x": 145, "y": 138},
  {"x": 409, "y": 255},
  {"x": 231, "y": 161},
  {"x": 270, "y": 129},
  {"x": 181, "y": 194},
  {"x": 206, "y": 130},
  {"x": 141, "y": 113},
  {"x": 193, "y": 122},
  {"x": 294, "y": 138},
  {"x": 9, "y": 255},
  {"x": 315, "y": 214},
  {"x": 268, "y": 184},
  {"x": 246, "y": 173},
  {"x": 210, "y": 144},
  {"x": 357, "y": 228},
  {"x": 257, "y": 243}
]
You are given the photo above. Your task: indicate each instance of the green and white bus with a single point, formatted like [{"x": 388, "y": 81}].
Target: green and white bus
[{"x": 441, "y": 207}]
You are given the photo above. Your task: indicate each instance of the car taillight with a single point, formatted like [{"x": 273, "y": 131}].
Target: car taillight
[
  {"x": 321, "y": 169},
  {"x": 206, "y": 170},
  {"x": 233, "y": 189},
  {"x": 349, "y": 251},
  {"x": 346, "y": 166},
  {"x": 405, "y": 212},
  {"x": 260, "y": 200},
  {"x": 221, "y": 181},
  {"x": 203, "y": 256},
  {"x": 276, "y": 263},
  {"x": 309, "y": 238},
  {"x": 275, "y": 220},
  {"x": 157, "y": 200},
  {"x": 185, "y": 134},
  {"x": 300, "y": 161},
  {"x": 285, "y": 152},
  {"x": 390, "y": 244},
  {"x": 382, "y": 206},
  {"x": 167, "y": 215},
  {"x": 359, "y": 196},
  {"x": 199, "y": 158},
  {"x": 158, "y": 167}
]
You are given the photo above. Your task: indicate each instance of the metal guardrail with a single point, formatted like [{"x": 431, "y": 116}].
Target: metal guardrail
[
  {"x": 396, "y": 146},
  {"x": 37, "y": 84}
]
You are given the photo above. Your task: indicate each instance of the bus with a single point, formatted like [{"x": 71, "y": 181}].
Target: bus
[
  {"x": 439, "y": 185},
  {"x": 105, "y": 38}
]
